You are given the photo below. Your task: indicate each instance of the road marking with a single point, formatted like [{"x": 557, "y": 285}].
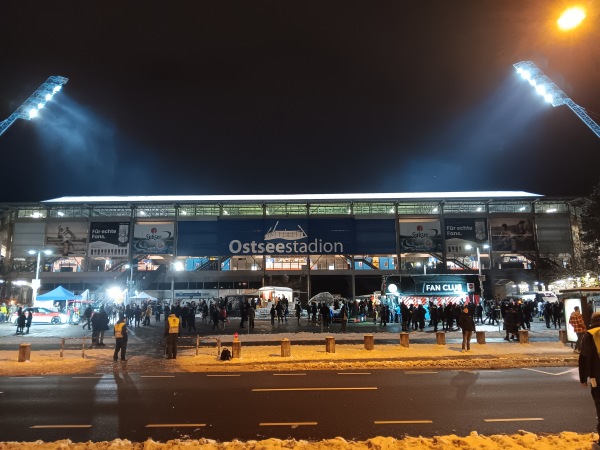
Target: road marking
[
  {"x": 392, "y": 422},
  {"x": 225, "y": 375},
  {"x": 94, "y": 377},
  {"x": 286, "y": 424},
  {"x": 61, "y": 426},
  {"x": 354, "y": 373},
  {"x": 550, "y": 373},
  {"x": 419, "y": 372},
  {"x": 288, "y": 374},
  {"x": 317, "y": 389},
  {"x": 516, "y": 419},
  {"x": 25, "y": 378},
  {"x": 174, "y": 425},
  {"x": 157, "y": 376}
]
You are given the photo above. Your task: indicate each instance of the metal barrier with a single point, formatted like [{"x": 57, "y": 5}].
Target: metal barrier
[{"x": 63, "y": 343}]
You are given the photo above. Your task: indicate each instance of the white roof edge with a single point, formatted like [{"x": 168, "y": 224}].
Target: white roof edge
[{"x": 294, "y": 197}]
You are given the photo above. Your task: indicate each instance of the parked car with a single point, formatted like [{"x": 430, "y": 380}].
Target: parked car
[{"x": 42, "y": 315}]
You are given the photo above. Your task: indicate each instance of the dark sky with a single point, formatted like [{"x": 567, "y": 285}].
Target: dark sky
[{"x": 282, "y": 97}]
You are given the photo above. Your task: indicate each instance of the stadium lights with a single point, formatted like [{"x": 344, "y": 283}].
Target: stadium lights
[
  {"x": 552, "y": 93},
  {"x": 32, "y": 106}
]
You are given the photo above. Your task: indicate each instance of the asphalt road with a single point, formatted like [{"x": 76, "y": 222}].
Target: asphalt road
[{"x": 303, "y": 405}]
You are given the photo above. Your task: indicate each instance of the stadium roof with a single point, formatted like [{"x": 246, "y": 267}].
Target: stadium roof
[{"x": 402, "y": 196}]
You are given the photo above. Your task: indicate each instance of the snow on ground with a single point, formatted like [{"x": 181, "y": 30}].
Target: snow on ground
[
  {"x": 309, "y": 357},
  {"x": 523, "y": 440}
]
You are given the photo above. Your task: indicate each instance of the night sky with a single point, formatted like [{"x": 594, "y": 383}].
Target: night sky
[{"x": 282, "y": 97}]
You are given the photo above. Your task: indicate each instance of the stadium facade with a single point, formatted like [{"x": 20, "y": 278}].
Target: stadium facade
[{"x": 192, "y": 247}]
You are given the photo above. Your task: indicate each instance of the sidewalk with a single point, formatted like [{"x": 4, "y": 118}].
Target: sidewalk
[{"x": 263, "y": 353}]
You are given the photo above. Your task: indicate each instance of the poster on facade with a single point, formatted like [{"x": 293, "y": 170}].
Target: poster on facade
[
  {"x": 68, "y": 238},
  {"x": 514, "y": 234},
  {"x": 420, "y": 236},
  {"x": 156, "y": 238},
  {"x": 465, "y": 232},
  {"x": 109, "y": 239}
]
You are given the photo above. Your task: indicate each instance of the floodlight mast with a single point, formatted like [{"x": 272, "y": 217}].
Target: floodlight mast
[
  {"x": 552, "y": 93},
  {"x": 30, "y": 107}
]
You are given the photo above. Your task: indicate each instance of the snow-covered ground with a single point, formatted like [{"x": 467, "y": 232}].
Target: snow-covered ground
[{"x": 310, "y": 357}]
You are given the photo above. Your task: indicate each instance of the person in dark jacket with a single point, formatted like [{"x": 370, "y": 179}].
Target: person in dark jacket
[
  {"x": 20, "y": 321},
  {"x": 511, "y": 324},
  {"x": 589, "y": 362},
  {"x": 28, "y": 321},
  {"x": 467, "y": 325}
]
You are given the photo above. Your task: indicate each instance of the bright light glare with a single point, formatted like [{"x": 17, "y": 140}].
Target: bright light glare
[
  {"x": 525, "y": 74},
  {"x": 541, "y": 89},
  {"x": 48, "y": 97},
  {"x": 40, "y": 105},
  {"x": 393, "y": 288},
  {"x": 57, "y": 88},
  {"x": 33, "y": 113},
  {"x": 548, "y": 98},
  {"x": 571, "y": 18},
  {"x": 178, "y": 266},
  {"x": 114, "y": 292}
]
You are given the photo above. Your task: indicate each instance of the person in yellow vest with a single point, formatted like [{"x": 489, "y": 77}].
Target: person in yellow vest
[
  {"x": 172, "y": 331},
  {"x": 120, "y": 338}
]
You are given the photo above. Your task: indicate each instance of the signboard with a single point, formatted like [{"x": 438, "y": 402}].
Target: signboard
[
  {"x": 470, "y": 230},
  {"x": 109, "y": 239},
  {"x": 154, "y": 238},
  {"x": 512, "y": 234},
  {"x": 69, "y": 238},
  {"x": 299, "y": 236},
  {"x": 443, "y": 288},
  {"x": 420, "y": 236}
]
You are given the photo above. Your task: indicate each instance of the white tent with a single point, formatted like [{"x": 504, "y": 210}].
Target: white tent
[{"x": 142, "y": 296}]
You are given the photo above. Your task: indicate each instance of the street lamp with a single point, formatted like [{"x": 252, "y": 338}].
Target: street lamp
[
  {"x": 129, "y": 282},
  {"x": 31, "y": 107},
  {"x": 35, "y": 284},
  {"x": 552, "y": 93}
]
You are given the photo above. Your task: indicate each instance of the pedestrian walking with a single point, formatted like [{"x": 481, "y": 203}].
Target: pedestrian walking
[
  {"x": 120, "y": 332},
  {"x": 467, "y": 325},
  {"x": 589, "y": 363},
  {"x": 20, "y": 321},
  {"x": 87, "y": 316},
  {"x": 576, "y": 321},
  {"x": 172, "y": 332},
  {"x": 28, "y": 321},
  {"x": 251, "y": 316}
]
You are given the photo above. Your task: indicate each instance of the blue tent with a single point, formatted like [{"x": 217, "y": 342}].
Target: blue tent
[{"x": 60, "y": 293}]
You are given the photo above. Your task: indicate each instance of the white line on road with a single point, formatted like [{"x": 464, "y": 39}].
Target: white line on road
[
  {"x": 317, "y": 389},
  {"x": 288, "y": 374},
  {"x": 61, "y": 426},
  {"x": 157, "y": 376},
  {"x": 225, "y": 375},
  {"x": 94, "y": 377},
  {"x": 25, "y": 378},
  {"x": 515, "y": 419},
  {"x": 392, "y": 422},
  {"x": 354, "y": 373},
  {"x": 550, "y": 373},
  {"x": 174, "y": 425},
  {"x": 286, "y": 424},
  {"x": 419, "y": 372}
]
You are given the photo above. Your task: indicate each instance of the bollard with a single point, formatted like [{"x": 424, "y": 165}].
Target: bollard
[
  {"x": 62, "y": 347},
  {"x": 369, "y": 342},
  {"x": 236, "y": 349},
  {"x": 83, "y": 348},
  {"x": 218, "y": 346},
  {"x": 562, "y": 336},
  {"x": 330, "y": 344},
  {"x": 24, "y": 352},
  {"x": 197, "y": 343},
  {"x": 440, "y": 338},
  {"x": 404, "y": 339},
  {"x": 524, "y": 336},
  {"x": 285, "y": 348},
  {"x": 480, "y": 337}
]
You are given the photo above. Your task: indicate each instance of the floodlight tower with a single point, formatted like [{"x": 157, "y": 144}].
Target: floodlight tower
[
  {"x": 30, "y": 107},
  {"x": 552, "y": 93}
]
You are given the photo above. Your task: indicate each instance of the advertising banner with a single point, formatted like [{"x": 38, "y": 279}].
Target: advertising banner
[
  {"x": 513, "y": 234},
  {"x": 299, "y": 236},
  {"x": 420, "y": 236},
  {"x": 69, "y": 238},
  {"x": 468, "y": 230},
  {"x": 109, "y": 239},
  {"x": 154, "y": 238}
]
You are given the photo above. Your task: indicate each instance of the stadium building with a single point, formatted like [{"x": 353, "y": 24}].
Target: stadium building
[{"x": 195, "y": 247}]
